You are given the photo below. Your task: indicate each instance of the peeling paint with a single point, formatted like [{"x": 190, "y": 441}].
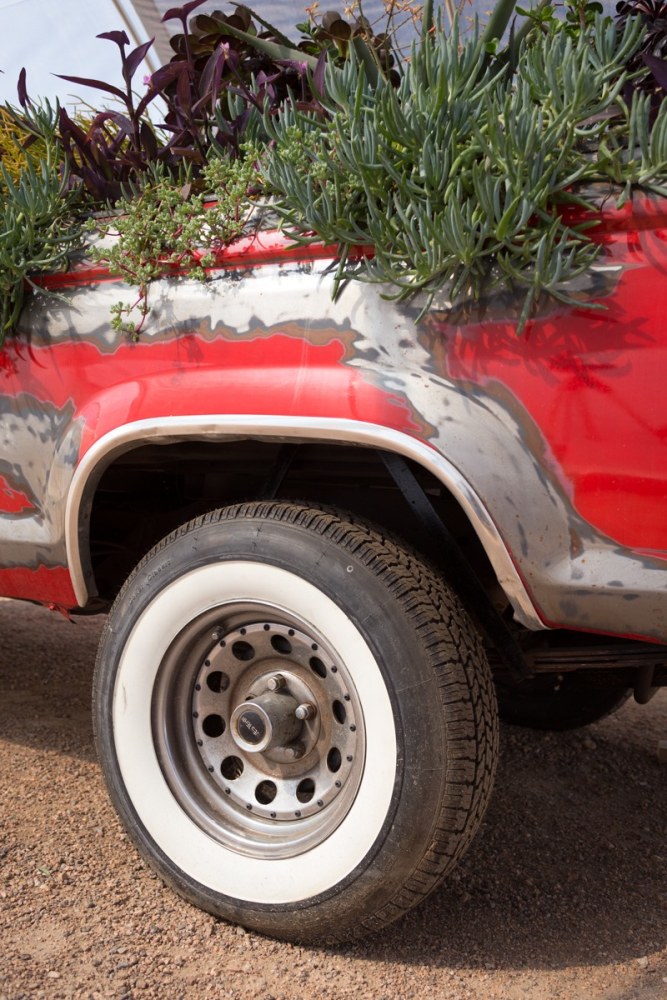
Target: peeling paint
[{"x": 561, "y": 433}]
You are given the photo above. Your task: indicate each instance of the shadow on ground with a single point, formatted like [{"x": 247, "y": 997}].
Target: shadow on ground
[{"x": 575, "y": 832}]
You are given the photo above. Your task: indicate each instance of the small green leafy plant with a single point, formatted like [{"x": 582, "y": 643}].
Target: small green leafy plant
[{"x": 169, "y": 225}]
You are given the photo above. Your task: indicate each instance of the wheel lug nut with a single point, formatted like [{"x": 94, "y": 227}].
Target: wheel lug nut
[
  {"x": 305, "y": 711},
  {"x": 295, "y": 751},
  {"x": 276, "y": 682}
]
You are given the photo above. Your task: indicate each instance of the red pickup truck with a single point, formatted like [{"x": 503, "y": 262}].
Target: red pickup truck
[{"x": 331, "y": 539}]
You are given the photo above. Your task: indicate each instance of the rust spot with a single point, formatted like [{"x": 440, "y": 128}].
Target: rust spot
[{"x": 576, "y": 545}]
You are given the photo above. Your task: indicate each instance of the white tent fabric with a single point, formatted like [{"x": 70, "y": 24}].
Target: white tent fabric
[{"x": 48, "y": 38}]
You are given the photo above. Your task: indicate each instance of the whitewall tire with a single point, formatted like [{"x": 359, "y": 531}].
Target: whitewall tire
[{"x": 295, "y": 720}]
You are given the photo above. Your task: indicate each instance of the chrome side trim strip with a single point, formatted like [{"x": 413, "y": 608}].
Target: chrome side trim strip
[{"x": 221, "y": 428}]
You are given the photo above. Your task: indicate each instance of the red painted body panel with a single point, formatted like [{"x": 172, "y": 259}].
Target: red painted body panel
[
  {"x": 280, "y": 375},
  {"x": 583, "y": 386},
  {"x": 594, "y": 384},
  {"x": 250, "y": 251},
  {"x": 43, "y": 585},
  {"x": 12, "y": 501}
]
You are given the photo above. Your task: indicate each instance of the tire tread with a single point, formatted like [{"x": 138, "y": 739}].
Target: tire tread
[{"x": 463, "y": 681}]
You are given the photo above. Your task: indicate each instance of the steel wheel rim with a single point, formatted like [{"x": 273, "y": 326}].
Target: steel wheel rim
[{"x": 199, "y": 746}]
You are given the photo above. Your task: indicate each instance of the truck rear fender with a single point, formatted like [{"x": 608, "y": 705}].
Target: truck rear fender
[{"x": 213, "y": 428}]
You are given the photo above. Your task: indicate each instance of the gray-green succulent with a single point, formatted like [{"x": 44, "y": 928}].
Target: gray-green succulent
[{"x": 457, "y": 178}]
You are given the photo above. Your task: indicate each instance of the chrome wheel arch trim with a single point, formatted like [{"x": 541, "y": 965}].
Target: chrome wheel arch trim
[{"x": 325, "y": 429}]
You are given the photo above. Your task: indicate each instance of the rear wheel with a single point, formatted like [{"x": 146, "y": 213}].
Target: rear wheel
[
  {"x": 295, "y": 719},
  {"x": 559, "y": 702}
]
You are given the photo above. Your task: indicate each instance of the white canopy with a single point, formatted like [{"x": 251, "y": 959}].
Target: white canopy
[{"x": 48, "y": 38}]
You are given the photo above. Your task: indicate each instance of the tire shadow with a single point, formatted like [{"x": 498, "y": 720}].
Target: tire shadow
[
  {"x": 46, "y": 673},
  {"x": 569, "y": 867}
]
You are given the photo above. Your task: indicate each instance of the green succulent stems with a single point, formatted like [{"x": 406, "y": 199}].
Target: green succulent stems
[
  {"x": 458, "y": 176},
  {"x": 40, "y": 217}
]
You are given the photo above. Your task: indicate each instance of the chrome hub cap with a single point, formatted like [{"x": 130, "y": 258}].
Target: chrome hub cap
[
  {"x": 274, "y": 721},
  {"x": 269, "y": 757}
]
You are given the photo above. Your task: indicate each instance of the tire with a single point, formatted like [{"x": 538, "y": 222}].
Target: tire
[
  {"x": 559, "y": 702},
  {"x": 313, "y": 829}
]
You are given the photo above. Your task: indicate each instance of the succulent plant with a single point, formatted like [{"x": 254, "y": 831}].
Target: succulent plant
[
  {"x": 40, "y": 222},
  {"x": 456, "y": 178}
]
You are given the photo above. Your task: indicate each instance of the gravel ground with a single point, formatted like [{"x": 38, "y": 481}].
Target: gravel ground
[{"x": 563, "y": 895}]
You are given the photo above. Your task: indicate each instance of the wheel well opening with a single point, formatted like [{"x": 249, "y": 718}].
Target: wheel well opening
[{"x": 149, "y": 491}]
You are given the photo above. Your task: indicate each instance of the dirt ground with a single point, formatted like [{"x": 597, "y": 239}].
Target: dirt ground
[{"x": 564, "y": 894}]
